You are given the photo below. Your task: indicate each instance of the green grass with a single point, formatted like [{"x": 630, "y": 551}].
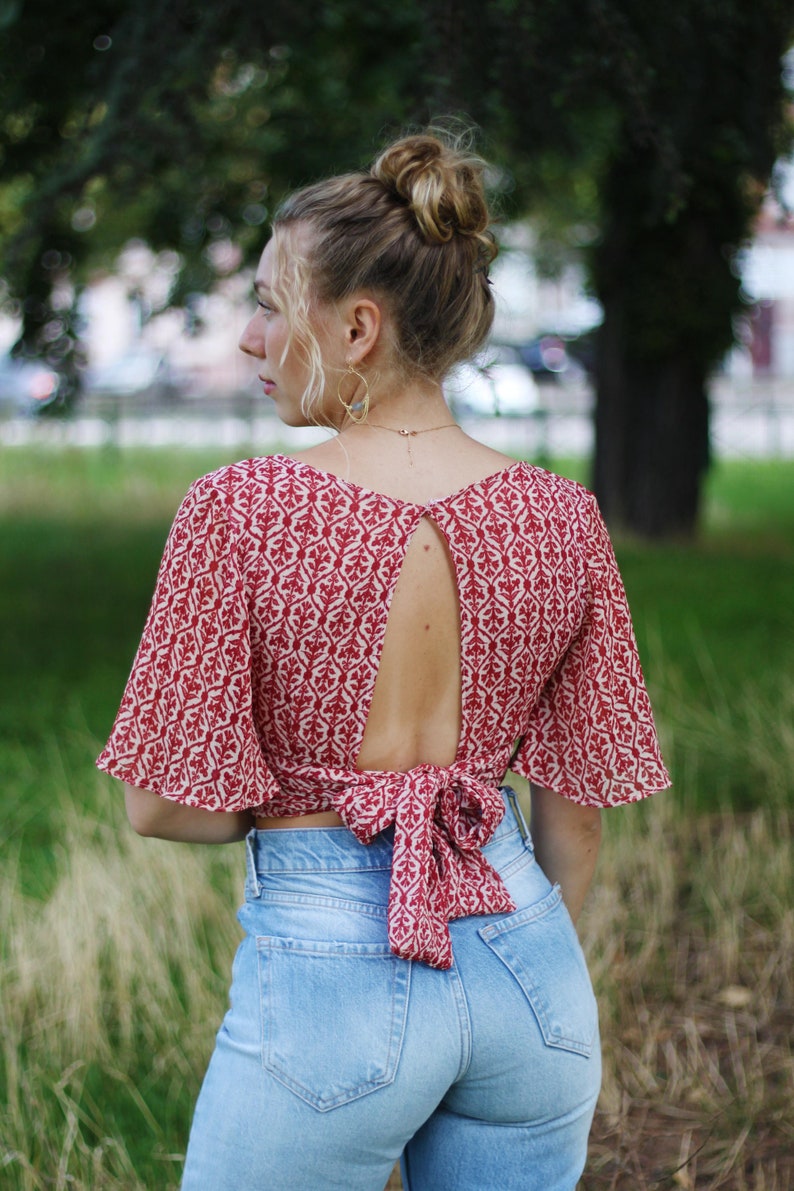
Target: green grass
[
  {"x": 81, "y": 534},
  {"x": 106, "y": 1017},
  {"x": 715, "y": 625}
]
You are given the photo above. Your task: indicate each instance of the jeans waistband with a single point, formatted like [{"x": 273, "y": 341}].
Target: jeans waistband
[{"x": 336, "y": 849}]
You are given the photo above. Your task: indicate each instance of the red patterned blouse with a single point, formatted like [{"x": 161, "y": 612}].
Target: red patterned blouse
[{"x": 256, "y": 669}]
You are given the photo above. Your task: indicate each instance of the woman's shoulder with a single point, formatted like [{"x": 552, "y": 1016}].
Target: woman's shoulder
[
  {"x": 236, "y": 495},
  {"x": 542, "y": 482},
  {"x": 233, "y": 479},
  {"x": 241, "y": 485}
]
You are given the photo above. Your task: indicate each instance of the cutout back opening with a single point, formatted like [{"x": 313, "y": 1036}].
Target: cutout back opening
[{"x": 415, "y": 713}]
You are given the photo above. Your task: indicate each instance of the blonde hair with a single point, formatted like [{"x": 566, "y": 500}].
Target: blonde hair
[{"x": 414, "y": 230}]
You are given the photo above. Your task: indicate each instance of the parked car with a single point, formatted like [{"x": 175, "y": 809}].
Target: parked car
[
  {"x": 26, "y": 386},
  {"x": 495, "y": 384},
  {"x": 558, "y": 357}
]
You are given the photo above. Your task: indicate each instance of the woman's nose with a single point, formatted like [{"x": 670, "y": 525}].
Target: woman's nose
[{"x": 251, "y": 341}]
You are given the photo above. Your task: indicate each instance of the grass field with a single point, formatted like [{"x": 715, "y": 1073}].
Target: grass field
[{"x": 110, "y": 994}]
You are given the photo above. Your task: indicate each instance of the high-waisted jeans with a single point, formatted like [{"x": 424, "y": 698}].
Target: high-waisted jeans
[{"x": 336, "y": 1058}]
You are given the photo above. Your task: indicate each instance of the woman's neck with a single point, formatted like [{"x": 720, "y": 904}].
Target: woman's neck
[{"x": 413, "y": 407}]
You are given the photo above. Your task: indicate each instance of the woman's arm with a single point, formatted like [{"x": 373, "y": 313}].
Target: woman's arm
[
  {"x": 566, "y": 837},
  {"x": 152, "y": 815}
]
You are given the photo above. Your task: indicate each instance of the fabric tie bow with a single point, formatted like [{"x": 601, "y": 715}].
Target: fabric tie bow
[{"x": 442, "y": 817}]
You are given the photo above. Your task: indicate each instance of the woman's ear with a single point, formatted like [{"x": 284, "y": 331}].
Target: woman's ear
[{"x": 363, "y": 320}]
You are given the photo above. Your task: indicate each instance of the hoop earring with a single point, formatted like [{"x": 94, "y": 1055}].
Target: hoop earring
[{"x": 356, "y": 410}]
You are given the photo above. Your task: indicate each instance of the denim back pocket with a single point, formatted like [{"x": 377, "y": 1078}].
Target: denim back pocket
[
  {"x": 539, "y": 945},
  {"x": 333, "y": 1016}
]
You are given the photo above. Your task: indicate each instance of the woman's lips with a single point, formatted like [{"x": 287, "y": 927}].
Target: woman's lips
[{"x": 269, "y": 387}]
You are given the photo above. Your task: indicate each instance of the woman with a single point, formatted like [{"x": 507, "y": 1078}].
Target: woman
[{"x": 346, "y": 650}]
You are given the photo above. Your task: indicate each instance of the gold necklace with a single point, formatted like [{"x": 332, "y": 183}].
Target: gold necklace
[{"x": 409, "y": 434}]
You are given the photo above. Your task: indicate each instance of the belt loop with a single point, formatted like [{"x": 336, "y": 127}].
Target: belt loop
[
  {"x": 518, "y": 814},
  {"x": 250, "y": 861}
]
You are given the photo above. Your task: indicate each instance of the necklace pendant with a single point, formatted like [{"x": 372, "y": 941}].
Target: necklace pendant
[{"x": 406, "y": 433}]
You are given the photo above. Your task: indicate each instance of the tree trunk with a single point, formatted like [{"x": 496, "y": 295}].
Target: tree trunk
[{"x": 652, "y": 435}]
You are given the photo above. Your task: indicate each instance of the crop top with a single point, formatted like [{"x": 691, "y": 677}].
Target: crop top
[{"x": 257, "y": 665}]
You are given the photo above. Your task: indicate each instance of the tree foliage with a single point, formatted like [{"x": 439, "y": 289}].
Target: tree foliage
[
  {"x": 655, "y": 126},
  {"x": 677, "y": 113}
]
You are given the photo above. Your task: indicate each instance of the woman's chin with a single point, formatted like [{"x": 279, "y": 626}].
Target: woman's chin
[{"x": 287, "y": 413}]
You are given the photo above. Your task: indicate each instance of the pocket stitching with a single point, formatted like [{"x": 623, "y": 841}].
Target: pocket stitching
[
  {"x": 498, "y": 933},
  {"x": 399, "y": 986},
  {"x": 521, "y": 917}
]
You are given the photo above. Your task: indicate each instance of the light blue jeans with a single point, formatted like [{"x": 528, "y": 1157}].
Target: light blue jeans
[{"x": 336, "y": 1058}]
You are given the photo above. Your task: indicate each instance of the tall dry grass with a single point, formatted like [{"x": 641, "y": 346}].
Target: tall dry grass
[
  {"x": 110, "y": 991},
  {"x": 112, "y": 985},
  {"x": 690, "y": 934}
]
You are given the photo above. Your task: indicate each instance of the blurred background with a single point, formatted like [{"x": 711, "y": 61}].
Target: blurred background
[
  {"x": 639, "y": 164},
  {"x": 641, "y": 170}
]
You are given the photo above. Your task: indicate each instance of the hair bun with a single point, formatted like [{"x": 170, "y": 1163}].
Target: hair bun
[{"x": 443, "y": 186}]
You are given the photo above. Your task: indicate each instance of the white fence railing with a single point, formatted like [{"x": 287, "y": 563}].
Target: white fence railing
[{"x": 748, "y": 420}]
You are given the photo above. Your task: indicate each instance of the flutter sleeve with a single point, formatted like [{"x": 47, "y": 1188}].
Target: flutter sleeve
[
  {"x": 591, "y": 735},
  {"x": 185, "y": 727}
]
